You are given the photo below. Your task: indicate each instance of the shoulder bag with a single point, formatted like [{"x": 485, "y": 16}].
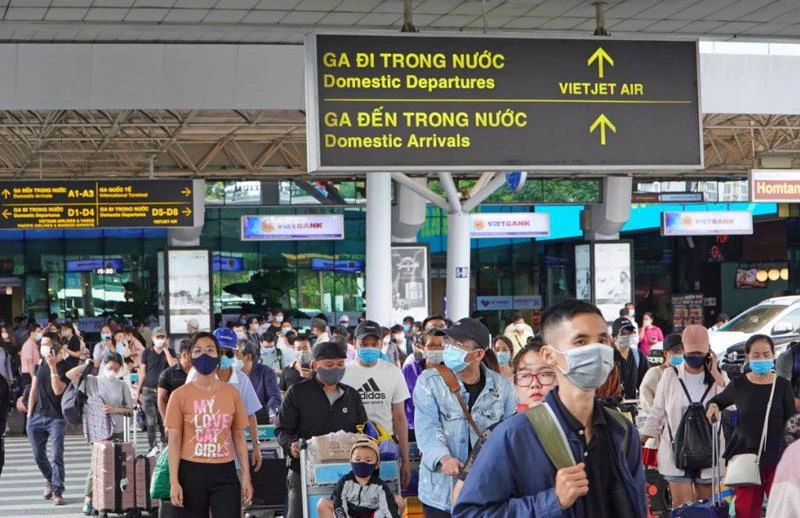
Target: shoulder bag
[
  {"x": 743, "y": 468},
  {"x": 452, "y": 384}
]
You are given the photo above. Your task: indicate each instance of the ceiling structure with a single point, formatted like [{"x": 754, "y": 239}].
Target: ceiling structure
[
  {"x": 262, "y": 144},
  {"x": 285, "y": 21}
]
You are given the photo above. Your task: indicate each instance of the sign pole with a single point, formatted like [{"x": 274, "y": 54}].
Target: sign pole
[{"x": 379, "y": 243}]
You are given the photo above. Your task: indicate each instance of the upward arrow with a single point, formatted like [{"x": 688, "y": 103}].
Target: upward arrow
[
  {"x": 602, "y": 57},
  {"x": 6, "y": 193},
  {"x": 602, "y": 122}
]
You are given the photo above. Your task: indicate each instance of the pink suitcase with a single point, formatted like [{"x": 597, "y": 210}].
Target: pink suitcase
[
  {"x": 144, "y": 473},
  {"x": 114, "y": 485}
]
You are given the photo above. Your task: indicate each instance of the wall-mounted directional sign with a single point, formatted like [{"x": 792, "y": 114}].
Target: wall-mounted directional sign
[
  {"x": 32, "y": 205},
  {"x": 410, "y": 102}
]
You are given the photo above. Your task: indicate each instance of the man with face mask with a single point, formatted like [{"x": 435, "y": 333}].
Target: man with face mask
[
  {"x": 300, "y": 369},
  {"x": 518, "y": 332},
  {"x": 317, "y": 406},
  {"x": 430, "y": 349},
  {"x": 174, "y": 377},
  {"x": 514, "y": 476},
  {"x": 264, "y": 381},
  {"x": 444, "y": 434},
  {"x": 45, "y": 420},
  {"x": 382, "y": 388},
  {"x": 269, "y": 355},
  {"x": 631, "y": 362},
  {"x": 155, "y": 360}
]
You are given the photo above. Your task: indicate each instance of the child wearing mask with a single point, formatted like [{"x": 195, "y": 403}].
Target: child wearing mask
[{"x": 361, "y": 493}]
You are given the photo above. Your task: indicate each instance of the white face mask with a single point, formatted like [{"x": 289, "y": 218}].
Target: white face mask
[
  {"x": 277, "y": 319},
  {"x": 44, "y": 350},
  {"x": 519, "y": 327},
  {"x": 38, "y": 337},
  {"x": 109, "y": 373},
  {"x": 241, "y": 335},
  {"x": 158, "y": 343},
  {"x": 626, "y": 341},
  {"x": 399, "y": 338}
]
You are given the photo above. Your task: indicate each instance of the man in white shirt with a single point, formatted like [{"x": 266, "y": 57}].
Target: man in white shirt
[{"x": 382, "y": 388}]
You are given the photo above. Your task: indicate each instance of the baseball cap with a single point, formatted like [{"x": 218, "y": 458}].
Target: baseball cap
[
  {"x": 695, "y": 339},
  {"x": 621, "y": 324},
  {"x": 672, "y": 342},
  {"x": 226, "y": 337},
  {"x": 469, "y": 329},
  {"x": 159, "y": 331},
  {"x": 366, "y": 443},
  {"x": 192, "y": 322},
  {"x": 368, "y": 328},
  {"x": 329, "y": 351}
]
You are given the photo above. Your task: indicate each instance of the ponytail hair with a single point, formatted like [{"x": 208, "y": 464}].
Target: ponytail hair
[{"x": 490, "y": 360}]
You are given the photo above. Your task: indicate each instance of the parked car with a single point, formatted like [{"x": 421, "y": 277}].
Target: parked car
[{"x": 778, "y": 317}]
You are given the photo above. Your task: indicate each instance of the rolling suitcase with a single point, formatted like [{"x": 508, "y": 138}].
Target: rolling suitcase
[
  {"x": 658, "y": 497},
  {"x": 114, "y": 487},
  {"x": 143, "y": 469},
  {"x": 269, "y": 483},
  {"x": 716, "y": 507}
]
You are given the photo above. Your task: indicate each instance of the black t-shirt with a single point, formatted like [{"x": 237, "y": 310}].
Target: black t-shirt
[
  {"x": 751, "y": 402},
  {"x": 475, "y": 390},
  {"x": 172, "y": 378},
  {"x": 630, "y": 373},
  {"x": 74, "y": 345},
  {"x": 289, "y": 377},
  {"x": 47, "y": 402},
  {"x": 155, "y": 364}
]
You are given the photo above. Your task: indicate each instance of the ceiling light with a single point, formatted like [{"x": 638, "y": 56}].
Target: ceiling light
[
  {"x": 761, "y": 276},
  {"x": 785, "y": 274},
  {"x": 774, "y": 274}
]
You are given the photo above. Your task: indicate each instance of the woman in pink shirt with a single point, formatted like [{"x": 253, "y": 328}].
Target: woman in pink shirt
[
  {"x": 29, "y": 355},
  {"x": 649, "y": 334}
]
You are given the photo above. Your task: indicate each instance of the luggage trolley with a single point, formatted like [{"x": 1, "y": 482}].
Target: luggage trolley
[
  {"x": 269, "y": 483},
  {"x": 318, "y": 480}
]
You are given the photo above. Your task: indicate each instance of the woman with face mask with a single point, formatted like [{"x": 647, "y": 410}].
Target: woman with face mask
[
  {"x": 264, "y": 380},
  {"x": 673, "y": 357},
  {"x": 649, "y": 334},
  {"x": 9, "y": 344},
  {"x": 502, "y": 349},
  {"x": 206, "y": 419},
  {"x": 117, "y": 405},
  {"x": 752, "y": 394},
  {"x": 431, "y": 347},
  {"x": 700, "y": 376}
]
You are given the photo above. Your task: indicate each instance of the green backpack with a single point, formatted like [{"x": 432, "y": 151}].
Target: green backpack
[{"x": 553, "y": 438}]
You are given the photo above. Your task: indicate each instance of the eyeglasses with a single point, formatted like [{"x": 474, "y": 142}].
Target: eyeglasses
[
  {"x": 452, "y": 343},
  {"x": 525, "y": 379}
]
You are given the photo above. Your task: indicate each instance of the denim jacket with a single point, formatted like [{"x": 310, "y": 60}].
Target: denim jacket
[{"x": 442, "y": 429}]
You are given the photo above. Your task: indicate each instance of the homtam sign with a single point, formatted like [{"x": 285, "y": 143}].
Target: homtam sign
[
  {"x": 508, "y": 302},
  {"x": 292, "y": 228},
  {"x": 775, "y": 185},
  {"x": 509, "y": 225},
  {"x": 32, "y": 205},
  {"x": 713, "y": 223},
  {"x": 410, "y": 102}
]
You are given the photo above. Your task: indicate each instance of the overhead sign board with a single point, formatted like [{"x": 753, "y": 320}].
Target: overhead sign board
[
  {"x": 411, "y": 102},
  {"x": 508, "y": 302},
  {"x": 510, "y": 225},
  {"x": 32, "y": 205},
  {"x": 292, "y": 228},
  {"x": 714, "y": 223},
  {"x": 775, "y": 185}
]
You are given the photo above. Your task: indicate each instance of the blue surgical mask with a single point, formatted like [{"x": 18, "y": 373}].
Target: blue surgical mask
[
  {"x": 406, "y": 327},
  {"x": 676, "y": 359},
  {"x": 695, "y": 362},
  {"x": 105, "y": 336},
  {"x": 268, "y": 350},
  {"x": 237, "y": 363},
  {"x": 434, "y": 357},
  {"x": 369, "y": 355},
  {"x": 455, "y": 358},
  {"x": 762, "y": 367},
  {"x": 503, "y": 357},
  {"x": 204, "y": 364},
  {"x": 588, "y": 366},
  {"x": 362, "y": 469},
  {"x": 226, "y": 362}
]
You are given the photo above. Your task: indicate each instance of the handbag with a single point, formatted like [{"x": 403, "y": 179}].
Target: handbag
[
  {"x": 743, "y": 468},
  {"x": 160, "y": 486}
]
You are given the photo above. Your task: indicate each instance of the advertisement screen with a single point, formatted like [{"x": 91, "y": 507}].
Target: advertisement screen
[
  {"x": 410, "y": 282},
  {"x": 189, "y": 285},
  {"x": 583, "y": 272},
  {"x": 613, "y": 286}
]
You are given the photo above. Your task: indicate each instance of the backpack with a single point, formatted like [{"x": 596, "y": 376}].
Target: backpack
[
  {"x": 74, "y": 399},
  {"x": 691, "y": 443},
  {"x": 552, "y": 436}
]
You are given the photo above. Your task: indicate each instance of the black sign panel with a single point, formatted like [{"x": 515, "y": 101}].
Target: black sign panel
[
  {"x": 96, "y": 204},
  {"x": 409, "y": 102}
]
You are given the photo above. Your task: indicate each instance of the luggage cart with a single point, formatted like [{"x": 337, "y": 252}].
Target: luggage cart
[
  {"x": 317, "y": 481},
  {"x": 269, "y": 483}
]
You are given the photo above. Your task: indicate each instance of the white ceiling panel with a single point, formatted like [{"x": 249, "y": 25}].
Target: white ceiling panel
[
  {"x": 790, "y": 17},
  {"x": 390, "y": 6},
  {"x": 495, "y": 22},
  {"x": 361, "y": 6},
  {"x": 511, "y": 9},
  {"x": 734, "y": 28},
  {"x": 737, "y": 10},
  {"x": 29, "y": 3},
  {"x": 146, "y": 15},
  {"x": 665, "y": 26},
  {"x": 557, "y": 24},
  {"x": 427, "y": 20},
  {"x": 303, "y": 17},
  {"x": 455, "y": 20},
  {"x": 105, "y": 14},
  {"x": 629, "y": 25},
  {"x": 771, "y": 11},
  {"x": 699, "y": 27},
  {"x": 236, "y": 4},
  {"x": 186, "y": 15},
  {"x": 526, "y": 22},
  {"x": 70, "y": 3},
  {"x": 197, "y": 4},
  {"x": 629, "y": 8},
  {"x": 316, "y": 5},
  {"x": 225, "y": 16},
  {"x": 380, "y": 20},
  {"x": 554, "y": 8},
  {"x": 666, "y": 8},
  {"x": 25, "y": 13},
  {"x": 277, "y": 4},
  {"x": 113, "y": 3},
  {"x": 160, "y": 4},
  {"x": 341, "y": 19},
  {"x": 264, "y": 17},
  {"x": 702, "y": 10},
  {"x": 66, "y": 13},
  {"x": 439, "y": 7}
]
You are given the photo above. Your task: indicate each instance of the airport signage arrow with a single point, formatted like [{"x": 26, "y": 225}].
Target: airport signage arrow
[
  {"x": 37, "y": 205},
  {"x": 440, "y": 103}
]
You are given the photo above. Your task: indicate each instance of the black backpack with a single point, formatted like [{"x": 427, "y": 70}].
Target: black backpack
[{"x": 692, "y": 441}]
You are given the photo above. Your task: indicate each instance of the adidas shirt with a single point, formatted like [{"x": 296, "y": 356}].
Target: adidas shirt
[{"x": 380, "y": 387}]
